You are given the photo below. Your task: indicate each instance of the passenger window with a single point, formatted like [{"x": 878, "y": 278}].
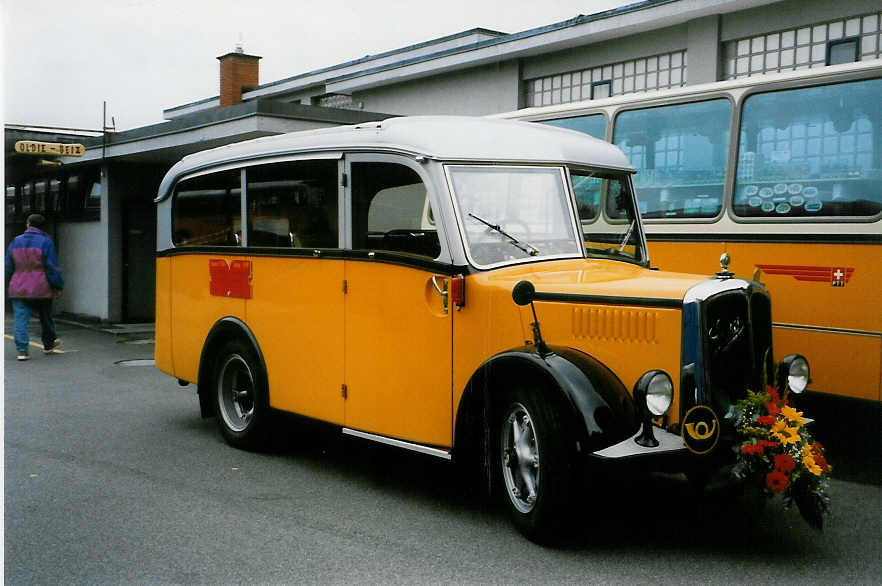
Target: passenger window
[
  {"x": 390, "y": 210},
  {"x": 680, "y": 155},
  {"x": 811, "y": 152},
  {"x": 206, "y": 210},
  {"x": 592, "y": 125},
  {"x": 293, "y": 204}
]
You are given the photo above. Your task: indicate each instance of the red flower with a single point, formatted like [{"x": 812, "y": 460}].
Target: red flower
[
  {"x": 784, "y": 463},
  {"x": 767, "y": 420},
  {"x": 750, "y": 449},
  {"x": 772, "y": 408},
  {"x": 821, "y": 461},
  {"x": 776, "y": 481},
  {"x": 768, "y": 444},
  {"x": 817, "y": 448},
  {"x": 773, "y": 394}
]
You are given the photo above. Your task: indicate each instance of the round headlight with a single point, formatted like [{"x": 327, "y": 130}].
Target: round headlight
[
  {"x": 659, "y": 394},
  {"x": 798, "y": 374}
]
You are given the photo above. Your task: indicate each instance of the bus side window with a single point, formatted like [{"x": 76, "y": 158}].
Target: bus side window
[
  {"x": 206, "y": 210},
  {"x": 680, "y": 153},
  {"x": 811, "y": 152},
  {"x": 293, "y": 204},
  {"x": 388, "y": 209}
]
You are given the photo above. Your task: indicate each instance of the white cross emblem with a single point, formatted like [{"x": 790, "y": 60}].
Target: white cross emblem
[{"x": 838, "y": 274}]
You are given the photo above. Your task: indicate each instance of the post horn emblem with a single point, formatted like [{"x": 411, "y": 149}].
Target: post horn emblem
[{"x": 701, "y": 429}]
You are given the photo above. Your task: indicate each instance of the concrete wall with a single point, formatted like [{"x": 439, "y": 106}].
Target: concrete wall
[
  {"x": 790, "y": 14},
  {"x": 82, "y": 252},
  {"x": 475, "y": 92},
  {"x": 665, "y": 40}
]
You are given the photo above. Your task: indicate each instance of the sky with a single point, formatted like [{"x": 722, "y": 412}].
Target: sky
[{"x": 63, "y": 58}]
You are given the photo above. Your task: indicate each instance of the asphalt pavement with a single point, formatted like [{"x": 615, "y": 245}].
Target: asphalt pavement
[{"x": 112, "y": 477}]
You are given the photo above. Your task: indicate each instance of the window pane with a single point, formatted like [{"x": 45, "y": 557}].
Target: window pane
[
  {"x": 594, "y": 125},
  {"x": 530, "y": 204},
  {"x": 619, "y": 240},
  {"x": 811, "y": 152},
  {"x": 680, "y": 153},
  {"x": 293, "y": 204},
  {"x": 787, "y": 39},
  {"x": 10, "y": 201},
  {"x": 835, "y": 31},
  {"x": 842, "y": 52},
  {"x": 390, "y": 210},
  {"x": 206, "y": 210}
]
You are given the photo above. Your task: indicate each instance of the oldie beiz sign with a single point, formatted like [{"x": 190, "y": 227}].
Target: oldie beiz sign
[{"x": 32, "y": 147}]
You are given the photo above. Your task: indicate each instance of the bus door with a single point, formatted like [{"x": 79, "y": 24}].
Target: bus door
[
  {"x": 398, "y": 334},
  {"x": 296, "y": 308}
]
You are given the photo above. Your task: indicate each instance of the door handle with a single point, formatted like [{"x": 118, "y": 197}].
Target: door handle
[{"x": 439, "y": 290}]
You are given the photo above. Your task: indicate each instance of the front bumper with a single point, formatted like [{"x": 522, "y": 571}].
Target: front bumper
[{"x": 668, "y": 444}]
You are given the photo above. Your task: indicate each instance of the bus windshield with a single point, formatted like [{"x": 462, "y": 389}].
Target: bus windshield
[
  {"x": 510, "y": 214},
  {"x": 617, "y": 233}
]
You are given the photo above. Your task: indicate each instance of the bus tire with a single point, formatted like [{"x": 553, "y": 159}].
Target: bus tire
[
  {"x": 240, "y": 398},
  {"x": 534, "y": 465}
]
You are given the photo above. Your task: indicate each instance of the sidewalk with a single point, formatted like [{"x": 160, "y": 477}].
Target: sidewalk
[{"x": 136, "y": 331}]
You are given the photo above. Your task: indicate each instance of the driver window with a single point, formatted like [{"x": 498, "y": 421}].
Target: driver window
[{"x": 390, "y": 211}]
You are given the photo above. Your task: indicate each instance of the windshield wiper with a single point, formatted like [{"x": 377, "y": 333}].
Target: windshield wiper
[
  {"x": 529, "y": 248},
  {"x": 628, "y": 235}
]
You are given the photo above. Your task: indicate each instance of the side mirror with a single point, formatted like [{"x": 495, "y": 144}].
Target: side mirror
[{"x": 523, "y": 293}]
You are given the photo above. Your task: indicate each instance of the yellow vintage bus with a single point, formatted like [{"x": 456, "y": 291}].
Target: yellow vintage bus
[
  {"x": 425, "y": 283},
  {"x": 784, "y": 173}
]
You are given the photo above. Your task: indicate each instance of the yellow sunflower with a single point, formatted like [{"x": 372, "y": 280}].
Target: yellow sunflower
[
  {"x": 784, "y": 433},
  {"x": 792, "y": 415},
  {"x": 809, "y": 462}
]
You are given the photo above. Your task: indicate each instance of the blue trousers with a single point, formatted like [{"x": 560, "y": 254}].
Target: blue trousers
[{"x": 22, "y": 309}]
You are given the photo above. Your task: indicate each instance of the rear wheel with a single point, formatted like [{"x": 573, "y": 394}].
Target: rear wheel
[
  {"x": 240, "y": 397},
  {"x": 534, "y": 463}
]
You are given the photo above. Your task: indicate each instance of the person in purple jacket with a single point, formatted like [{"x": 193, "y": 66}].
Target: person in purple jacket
[{"x": 33, "y": 280}]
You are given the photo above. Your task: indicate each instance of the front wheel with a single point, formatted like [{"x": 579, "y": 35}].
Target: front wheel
[
  {"x": 240, "y": 397},
  {"x": 535, "y": 465}
]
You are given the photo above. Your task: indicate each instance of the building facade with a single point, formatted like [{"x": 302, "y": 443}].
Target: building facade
[{"x": 101, "y": 204}]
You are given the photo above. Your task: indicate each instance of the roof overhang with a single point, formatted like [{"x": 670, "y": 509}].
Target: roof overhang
[{"x": 170, "y": 141}]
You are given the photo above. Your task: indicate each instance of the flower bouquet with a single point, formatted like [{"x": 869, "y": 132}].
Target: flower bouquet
[{"x": 778, "y": 451}]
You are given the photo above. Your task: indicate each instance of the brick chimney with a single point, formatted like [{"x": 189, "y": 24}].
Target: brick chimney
[{"x": 238, "y": 71}]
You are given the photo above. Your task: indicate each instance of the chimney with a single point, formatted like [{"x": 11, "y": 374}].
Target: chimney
[{"x": 238, "y": 71}]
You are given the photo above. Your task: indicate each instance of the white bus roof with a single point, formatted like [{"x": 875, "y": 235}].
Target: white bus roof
[{"x": 448, "y": 138}]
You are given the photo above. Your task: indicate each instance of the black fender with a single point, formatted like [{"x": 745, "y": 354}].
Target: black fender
[
  {"x": 223, "y": 330},
  {"x": 598, "y": 407}
]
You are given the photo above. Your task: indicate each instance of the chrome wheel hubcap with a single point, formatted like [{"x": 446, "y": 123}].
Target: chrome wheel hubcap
[
  {"x": 235, "y": 393},
  {"x": 520, "y": 458}
]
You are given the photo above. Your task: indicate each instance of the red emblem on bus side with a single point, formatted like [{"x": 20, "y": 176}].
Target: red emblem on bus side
[
  {"x": 230, "y": 280},
  {"x": 837, "y": 276}
]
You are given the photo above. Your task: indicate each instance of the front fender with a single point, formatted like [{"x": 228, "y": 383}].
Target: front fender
[{"x": 595, "y": 401}]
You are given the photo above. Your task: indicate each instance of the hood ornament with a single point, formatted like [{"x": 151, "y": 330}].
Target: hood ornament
[{"x": 725, "y": 259}]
